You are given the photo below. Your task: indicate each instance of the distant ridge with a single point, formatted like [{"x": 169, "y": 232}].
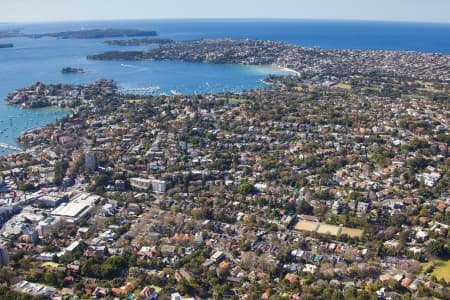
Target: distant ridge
[{"x": 96, "y": 34}]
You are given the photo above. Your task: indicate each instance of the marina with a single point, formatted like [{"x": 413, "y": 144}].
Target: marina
[{"x": 145, "y": 90}]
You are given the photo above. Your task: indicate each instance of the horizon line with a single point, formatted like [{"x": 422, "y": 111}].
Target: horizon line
[{"x": 228, "y": 19}]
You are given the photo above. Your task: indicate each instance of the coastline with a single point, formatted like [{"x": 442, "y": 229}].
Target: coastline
[
  {"x": 263, "y": 80},
  {"x": 13, "y": 145},
  {"x": 286, "y": 69},
  {"x": 279, "y": 191}
]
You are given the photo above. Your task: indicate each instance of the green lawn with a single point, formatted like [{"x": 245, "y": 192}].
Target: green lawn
[
  {"x": 441, "y": 269},
  {"x": 51, "y": 265},
  {"x": 157, "y": 288}
]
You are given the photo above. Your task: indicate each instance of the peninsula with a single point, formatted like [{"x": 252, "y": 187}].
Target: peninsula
[
  {"x": 9, "y": 33},
  {"x": 96, "y": 34},
  {"x": 60, "y": 95},
  {"x": 139, "y": 42},
  {"x": 302, "y": 60}
]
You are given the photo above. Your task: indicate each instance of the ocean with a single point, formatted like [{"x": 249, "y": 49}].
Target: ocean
[{"x": 41, "y": 60}]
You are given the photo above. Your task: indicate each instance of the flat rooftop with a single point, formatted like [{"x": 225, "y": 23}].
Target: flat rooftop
[{"x": 77, "y": 206}]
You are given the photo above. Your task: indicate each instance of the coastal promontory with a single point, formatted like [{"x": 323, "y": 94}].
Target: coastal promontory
[
  {"x": 60, "y": 95},
  {"x": 9, "y": 33},
  {"x": 96, "y": 34},
  {"x": 138, "y": 42},
  {"x": 299, "y": 59}
]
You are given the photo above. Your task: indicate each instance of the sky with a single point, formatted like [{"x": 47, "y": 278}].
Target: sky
[{"x": 70, "y": 10}]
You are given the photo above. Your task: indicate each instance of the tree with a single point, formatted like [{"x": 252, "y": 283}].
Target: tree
[
  {"x": 304, "y": 208},
  {"x": 246, "y": 188},
  {"x": 113, "y": 267},
  {"x": 60, "y": 170},
  {"x": 90, "y": 268},
  {"x": 6, "y": 274},
  {"x": 26, "y": 187},
  {"x": 438, "y": 248},
  {"x": 54, "y": 278}
]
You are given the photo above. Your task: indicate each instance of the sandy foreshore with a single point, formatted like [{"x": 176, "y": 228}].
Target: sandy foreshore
[{"x": 285, "y": 69}]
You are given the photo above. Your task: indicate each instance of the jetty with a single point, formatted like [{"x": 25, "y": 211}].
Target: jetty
[{"x": 10, "y": 147}]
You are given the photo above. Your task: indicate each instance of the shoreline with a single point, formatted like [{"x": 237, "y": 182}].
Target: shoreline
[
  {"x": 286, "y": 69},
  {"x": 6, "y": 147}
]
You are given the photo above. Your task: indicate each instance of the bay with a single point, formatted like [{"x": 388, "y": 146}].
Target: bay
[{"x": 42, "y": 59}]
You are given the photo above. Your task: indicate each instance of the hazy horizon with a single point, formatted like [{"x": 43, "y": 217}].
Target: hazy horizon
[
  {"x": 416, "y": 11},
  {"x": 225, "y": 19}
]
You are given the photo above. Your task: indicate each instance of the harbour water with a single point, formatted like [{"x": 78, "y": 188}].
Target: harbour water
[{"x": 42, "y": 59}]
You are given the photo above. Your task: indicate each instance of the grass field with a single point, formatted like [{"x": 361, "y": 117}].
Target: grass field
[
  {"x": 52, "y": 265},
  {"x": 441, "y": 269}
]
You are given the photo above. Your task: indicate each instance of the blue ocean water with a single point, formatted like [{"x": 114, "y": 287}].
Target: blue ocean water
[{"x": 34, "y": 60}]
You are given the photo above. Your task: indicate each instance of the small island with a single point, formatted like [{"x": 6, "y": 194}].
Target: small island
[
  {"x": 139, "y": 42},
  {"x": 69, "y": 70},
  {"x": 6, "y": 46},
  {"x": 96, "y": 34}
]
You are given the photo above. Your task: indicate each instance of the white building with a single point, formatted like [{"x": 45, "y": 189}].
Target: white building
[
  {"x": 52, "y": 200},
  {"x": 34, "y": 289},
  {"x": 310, "y": 269},
  {"x": 47, "y": 226},
  {"x": 77, "y": 208},
  {"x": 141, "y": 183},
  {"x": 159, "y": 186}
]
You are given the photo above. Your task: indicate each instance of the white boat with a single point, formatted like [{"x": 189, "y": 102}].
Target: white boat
[{"x": 129, "y": 66}]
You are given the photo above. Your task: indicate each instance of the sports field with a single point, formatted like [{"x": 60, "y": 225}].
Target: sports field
[
  {"x": 307, "y": 225},
  {"x": 352, "y": 232},
  {"x": 323, "y": 228},
  {"x": 328, "y": 229}
]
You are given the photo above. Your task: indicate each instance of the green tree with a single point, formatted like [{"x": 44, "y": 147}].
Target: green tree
[
  {"x": 60, "y": 171},
  {"x": 114, "y": 267},
  {"x": 305, "y": 208},
  {"x": 439, "y": 248},
  {"x": 246, "y": 188}
]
